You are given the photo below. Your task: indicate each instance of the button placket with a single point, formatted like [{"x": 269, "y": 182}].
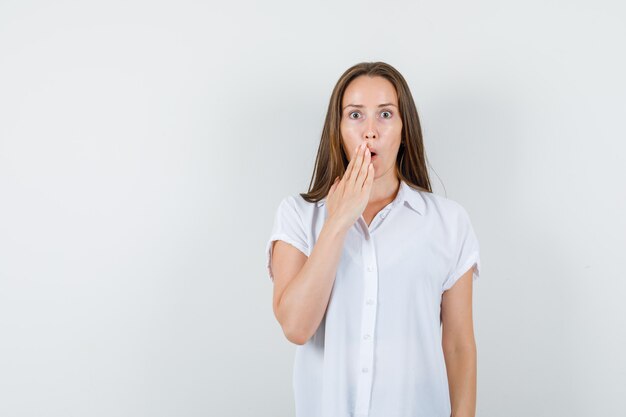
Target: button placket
[
  {"x": 368, "y": 324},
  {"x": 378, "y": 218}
]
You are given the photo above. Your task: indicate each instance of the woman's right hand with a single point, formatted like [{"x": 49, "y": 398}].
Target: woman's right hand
[{"x": 348, "y": 198}]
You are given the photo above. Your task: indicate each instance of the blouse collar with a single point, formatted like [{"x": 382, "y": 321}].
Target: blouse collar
[{"x": 405, "y": 194}]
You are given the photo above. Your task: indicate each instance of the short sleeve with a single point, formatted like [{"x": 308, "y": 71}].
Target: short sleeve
[
  {"x": 288, "y": 227},
  {"x": 466, "y": 253}
]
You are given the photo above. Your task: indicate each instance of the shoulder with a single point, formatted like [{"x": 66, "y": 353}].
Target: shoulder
[
  {"x": 301, "y": 204},
  {"x": 296, "y": 206},
  {"x": 446, "y": 208}
]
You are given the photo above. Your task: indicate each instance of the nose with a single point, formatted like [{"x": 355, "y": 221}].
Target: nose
[{"x": 370, "y": 131}]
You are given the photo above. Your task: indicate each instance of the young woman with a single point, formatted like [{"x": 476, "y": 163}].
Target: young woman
[{"x": 369, "y": 264}]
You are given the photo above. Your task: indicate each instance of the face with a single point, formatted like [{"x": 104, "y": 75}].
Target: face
[{"x": 370, "y": 114}]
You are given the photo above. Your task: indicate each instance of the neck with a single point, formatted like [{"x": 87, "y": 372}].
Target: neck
[{"x": 384, "y": 190}]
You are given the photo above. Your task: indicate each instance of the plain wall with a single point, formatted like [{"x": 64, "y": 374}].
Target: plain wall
[{"x": 145, "y": 146}]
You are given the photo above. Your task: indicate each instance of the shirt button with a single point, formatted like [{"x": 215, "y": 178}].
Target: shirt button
[
  {"x": 364, "y": 370},
  {"x": 369, "y": 268},
  {"x": 367, "y": 336},
  {"x": 370, "y": 301}
]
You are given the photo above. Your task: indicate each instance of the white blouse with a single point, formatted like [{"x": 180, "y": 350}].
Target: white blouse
[{"x": 377, "y": 351}]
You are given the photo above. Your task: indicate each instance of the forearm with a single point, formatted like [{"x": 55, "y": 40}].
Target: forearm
[
  {"x": 304, "y": 301},
  {"x": 461, "y": 370}
]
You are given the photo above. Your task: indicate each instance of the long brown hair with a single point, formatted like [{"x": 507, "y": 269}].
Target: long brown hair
[{"x": 331, "y": 160}]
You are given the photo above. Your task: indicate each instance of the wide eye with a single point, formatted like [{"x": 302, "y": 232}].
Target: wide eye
[
  {"x": 354, "y": 112},
  {"x": 386, "y": 114}
]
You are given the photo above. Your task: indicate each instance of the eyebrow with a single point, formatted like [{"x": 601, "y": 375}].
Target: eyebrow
[{"x": 360, "y": 105}]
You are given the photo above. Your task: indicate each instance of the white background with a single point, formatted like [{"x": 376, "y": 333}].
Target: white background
[{"x": 144, "y": 147}]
